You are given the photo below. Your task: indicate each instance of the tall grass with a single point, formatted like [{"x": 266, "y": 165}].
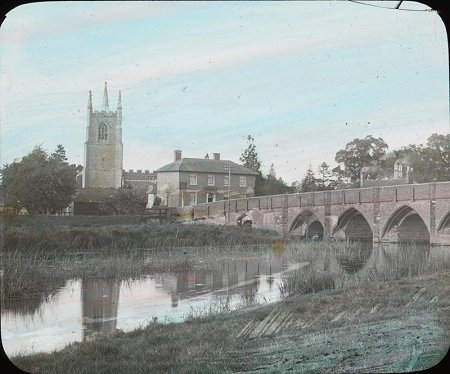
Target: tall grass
[
  {"x": 148, "y": 235},
  {"x": 401, "y": 261}
]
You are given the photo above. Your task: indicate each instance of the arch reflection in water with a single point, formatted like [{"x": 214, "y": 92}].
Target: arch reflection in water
[
  {"x": 352, "y": 256},
  {"x": 100, "y": 300}
]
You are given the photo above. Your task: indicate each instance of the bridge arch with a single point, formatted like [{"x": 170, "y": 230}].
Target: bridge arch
[
  {"x": 406, "y": 224},
  {"x": 307, "y": 225},
  {"x": 352, "y": 225},
  {"x": 245, "y": 220},
  {"x": 444, "y": 225}
]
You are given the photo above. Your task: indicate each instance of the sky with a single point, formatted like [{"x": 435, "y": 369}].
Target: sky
[{"x": 304, "y": 78}]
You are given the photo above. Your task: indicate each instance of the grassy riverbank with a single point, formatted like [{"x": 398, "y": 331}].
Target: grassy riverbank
[
  {"x": 75, "y": 233},
  {"x": 40, "y": 253},
  {"x": 389, "y": 318},
  {"x": 401, "y": 325}
]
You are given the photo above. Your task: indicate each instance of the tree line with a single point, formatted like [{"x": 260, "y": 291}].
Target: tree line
[
  {"x": 46, "y": 184},
  {"x": 368, "y": 157}
]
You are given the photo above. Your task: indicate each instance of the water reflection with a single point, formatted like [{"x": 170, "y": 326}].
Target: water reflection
[
  {"x": 100, "y": 300},
  {"x": 85, "y": 308},
  {"x": 353, "y": 256},
  {"x": 221, "y": 279}
]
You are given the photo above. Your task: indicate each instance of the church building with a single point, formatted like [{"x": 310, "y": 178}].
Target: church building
[
  {"x": 103, "y": 149},
  {"x": 186, "y": 181}
]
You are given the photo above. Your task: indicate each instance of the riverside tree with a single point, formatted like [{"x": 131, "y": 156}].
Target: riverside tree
[
  {"x": 249, "y": 157},
  {"x": 431, "y": 162},
  {"x": 39, "y": 182},
  {"x": 123, "y": 201},
  {"x": 309, "y": 182},
  {"x": 359, "y": 153}
]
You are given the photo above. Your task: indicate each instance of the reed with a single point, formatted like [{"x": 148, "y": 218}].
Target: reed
[
  {"x": 145, "y": 235},
  {"x": 405, "y": 260}
]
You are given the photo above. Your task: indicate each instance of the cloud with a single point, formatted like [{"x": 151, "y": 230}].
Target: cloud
[{"x": 29, "y": 22}]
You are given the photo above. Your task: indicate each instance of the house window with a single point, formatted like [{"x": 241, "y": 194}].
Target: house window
[
  {"x": 211, "y": 180},
  {"x": 193, "y": 198},
  {"x": 210, "y": 197},
  {"x": 242, "y": 181},
  {"x": 226, "y": 180},
  {"x": 103, "y": 132},
  {"x": 193, "y": 179}
]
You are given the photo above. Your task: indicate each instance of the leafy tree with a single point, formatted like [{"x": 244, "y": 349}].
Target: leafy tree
[
  {"x": 359, "y": 153},
  {"x": 249, "y": 157},
  {"x": 325, "y": 177},
  {"x": 438, "y": 154},
  {"x": 123, "y": 201},
  {"x": 430, "y": 162},
  {"x": 271, "y": 185},
  {"x": 38, "y": 182},
  {"x": 309, "y": 182}
]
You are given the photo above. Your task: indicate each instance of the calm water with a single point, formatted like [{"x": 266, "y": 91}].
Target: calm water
[{"x": 84, "y": 308}]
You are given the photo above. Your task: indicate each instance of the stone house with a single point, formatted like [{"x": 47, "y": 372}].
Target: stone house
[{"x": 190, "y": 181}]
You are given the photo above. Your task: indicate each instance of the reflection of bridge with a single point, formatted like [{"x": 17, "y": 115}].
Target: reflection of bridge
[{"x": 391, "y": 214}]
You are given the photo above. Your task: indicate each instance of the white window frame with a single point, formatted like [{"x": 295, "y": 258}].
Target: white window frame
[
  {"x": 226, "y": 180},
  {"x": 213, "y": 197},
  {"x": 193, "y": 179},
  {"x": 211, "y": 180},
  {"x": 242, "y": 181}
]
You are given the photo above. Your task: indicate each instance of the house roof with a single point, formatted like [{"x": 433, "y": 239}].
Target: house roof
[{"x": 202, "y": 165}]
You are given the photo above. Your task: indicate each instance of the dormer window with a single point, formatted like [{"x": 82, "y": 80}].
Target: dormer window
[{"x": 103, "y": 132}]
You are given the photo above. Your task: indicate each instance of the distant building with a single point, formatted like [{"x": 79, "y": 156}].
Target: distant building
[
  {"x": 186, "y": 181},
  {"x": 373, "y": 176},
  {"x": 142, "y": 180},
  {"x": 190, "y": 181}
]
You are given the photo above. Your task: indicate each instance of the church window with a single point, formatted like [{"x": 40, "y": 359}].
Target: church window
[{"x": 103, "y": 132}]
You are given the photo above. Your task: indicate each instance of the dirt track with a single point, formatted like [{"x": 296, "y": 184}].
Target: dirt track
[{"x": 402, "y": 326}]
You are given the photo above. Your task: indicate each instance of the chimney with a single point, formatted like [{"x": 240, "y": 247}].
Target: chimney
[
  {"x": 177, "y": 155},
  {"x": 216, "y": 156}
]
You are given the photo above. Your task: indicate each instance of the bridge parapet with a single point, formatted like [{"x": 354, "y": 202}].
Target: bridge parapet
[
  {"x": 408, "y": 192},
  {"x": 430, "y": 201}
]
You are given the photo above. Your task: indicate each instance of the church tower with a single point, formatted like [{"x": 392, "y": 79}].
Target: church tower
[{"x": 103, "y": 149}]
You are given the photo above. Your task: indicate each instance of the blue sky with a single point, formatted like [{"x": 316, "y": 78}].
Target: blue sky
[{"x": 304, "y": 78}]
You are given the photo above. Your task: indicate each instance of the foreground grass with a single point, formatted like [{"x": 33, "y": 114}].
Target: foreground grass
[{"x": 400, "y": 325}]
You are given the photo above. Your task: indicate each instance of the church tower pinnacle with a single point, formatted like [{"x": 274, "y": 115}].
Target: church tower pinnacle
[
  {"x": 105, "y": 99},
  {"x": 89, "y": 106}
]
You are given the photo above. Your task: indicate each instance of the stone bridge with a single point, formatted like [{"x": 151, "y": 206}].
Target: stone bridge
[{"x": 383, "y": 214}]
